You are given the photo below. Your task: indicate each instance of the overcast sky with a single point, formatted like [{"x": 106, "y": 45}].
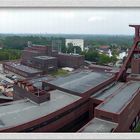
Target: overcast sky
[{"x": 76, "y": 21}]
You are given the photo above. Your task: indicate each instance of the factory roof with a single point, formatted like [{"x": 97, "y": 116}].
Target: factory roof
[
  {"x": 36, "y": 45},
  {"x": 5, "y": 97},
  {"x": 19, "y": 112},
  {"x": 81, "y": 82},
  {"x": 33, "y": 51},
  {"x": 72, "y": 54},
  {"x": 101, "y": 67},
  {"x": 107, "y": 91},
  {"x": 98, "y": 125},
  {"x": 23, "y": 67},
  {"x": 45, "y": 57},
  {"x": 121, "y": 97}
]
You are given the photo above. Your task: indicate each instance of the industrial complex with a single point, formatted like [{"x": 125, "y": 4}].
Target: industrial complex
[
  {"x": 92, "y": 99},
  {"x": 40, "y": 59}
]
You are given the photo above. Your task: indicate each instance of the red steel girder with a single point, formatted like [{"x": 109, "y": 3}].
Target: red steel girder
[{"x": 124, "y": 67}]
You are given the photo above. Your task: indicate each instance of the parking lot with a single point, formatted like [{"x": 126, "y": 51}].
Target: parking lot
[{"x": 7, "y": 80}]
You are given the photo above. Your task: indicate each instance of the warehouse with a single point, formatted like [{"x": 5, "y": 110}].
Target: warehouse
[{"x": 20, "y": 69}]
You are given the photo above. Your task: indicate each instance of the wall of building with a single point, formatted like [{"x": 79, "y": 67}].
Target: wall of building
[
  {"x": 128, "y": 115},
  {"x": 55, "y": 121},
  {"x": 67, "y": 60},
  {"x": 28, "y": 55},
  {"x": 10, "y": 68},
  {"x": 45, "y": 65},
  {"x": 41, "y": 49},
  {"x": 135, "y": 65},
  {"x": 125, "y": 117}
]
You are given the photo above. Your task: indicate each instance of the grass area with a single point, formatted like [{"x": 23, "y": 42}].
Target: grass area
[
  {"x": 60, "y": 72},
  {"x": 137, "y": 129}
]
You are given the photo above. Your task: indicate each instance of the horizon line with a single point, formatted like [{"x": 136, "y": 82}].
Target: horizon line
[{"x": 66, "y": 34}]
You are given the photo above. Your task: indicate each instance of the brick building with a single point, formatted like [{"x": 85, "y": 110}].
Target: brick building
[
  {"x": 43, "y": 59},
  {"x": 70, "y": 60}
]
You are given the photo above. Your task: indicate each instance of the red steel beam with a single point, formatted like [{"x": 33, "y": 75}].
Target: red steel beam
[{"x": 124, "y": 67}]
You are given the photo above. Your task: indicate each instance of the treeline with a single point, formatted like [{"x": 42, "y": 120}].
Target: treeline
[
  {"x": 95, "y": 56},
  {"x": 120, "y": 41},
  {"x": 20, "y": 42},
  {"x": 9, "y": 54}
]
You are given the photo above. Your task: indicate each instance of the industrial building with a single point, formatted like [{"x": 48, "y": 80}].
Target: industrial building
[
  {"x": 89, "y": 100},
  {"x": 20, "y": 69},
  {"x": 41, "y": 59},
  {"x": 70, "y": 60}
]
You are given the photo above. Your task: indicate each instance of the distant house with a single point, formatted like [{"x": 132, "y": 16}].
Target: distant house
[
  {"x": 122, "y": 54},
  {"x": 105, "y": 50}
]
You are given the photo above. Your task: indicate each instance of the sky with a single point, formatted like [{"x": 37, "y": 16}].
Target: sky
[{"x": 69, "y": 20}]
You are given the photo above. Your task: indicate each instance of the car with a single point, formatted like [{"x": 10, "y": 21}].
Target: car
[
  {"x": 14, "y": 77},
  {"x": 4, "y": 82}
]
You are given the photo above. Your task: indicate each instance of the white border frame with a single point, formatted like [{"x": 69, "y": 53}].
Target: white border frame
[
  {"x": 70, "y": 3},
  {"x": 71, "y": 136}
]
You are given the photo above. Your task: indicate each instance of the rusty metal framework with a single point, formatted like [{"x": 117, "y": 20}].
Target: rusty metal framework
[{"x": 134, "y": 50}]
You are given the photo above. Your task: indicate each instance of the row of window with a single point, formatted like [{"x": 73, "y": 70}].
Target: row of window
[{"x": 135, "y": 122}]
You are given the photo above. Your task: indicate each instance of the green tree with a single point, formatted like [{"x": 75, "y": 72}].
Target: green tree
[{"x": 104, "y": 59}]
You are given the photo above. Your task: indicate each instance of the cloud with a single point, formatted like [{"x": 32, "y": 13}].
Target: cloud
[{"x": 96, "y": 18}]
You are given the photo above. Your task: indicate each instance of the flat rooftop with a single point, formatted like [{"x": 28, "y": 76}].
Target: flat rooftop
[
  {"x": 23, "y": 67},
  {"x": 36, "y": 45},
  {"x": 32, "y": 51},
  {"x": 98, "y": 125},
  {"x": 66, "y": 54},
  {"x": 19, "y": 112},
  {"x": 120, "y": 98},
  {"x": 134, "y": 77},
  {"x": 107, "y": 91},
  {"x": 5, "y": 97},
  {"x": 45, "y": 57},
  {"x": 82, "y": 81},
  {"x": 100, "y": 66}
]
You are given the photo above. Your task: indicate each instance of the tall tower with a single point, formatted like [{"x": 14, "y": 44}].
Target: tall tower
[{"x": 135, "y": 50}]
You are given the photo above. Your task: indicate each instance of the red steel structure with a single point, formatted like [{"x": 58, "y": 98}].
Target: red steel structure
[{"x": 134, "y": 50}]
